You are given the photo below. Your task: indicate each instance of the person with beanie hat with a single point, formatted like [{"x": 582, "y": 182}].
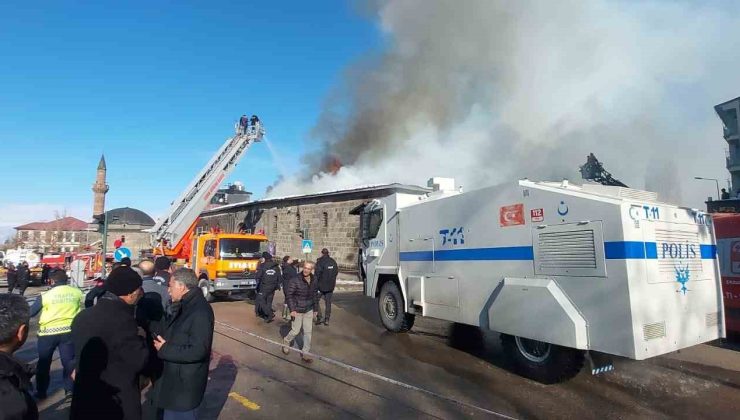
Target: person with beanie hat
[{"x": 110, "y": 352}]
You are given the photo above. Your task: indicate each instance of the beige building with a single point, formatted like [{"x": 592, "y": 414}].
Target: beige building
[
  {"x": 323, "y": 218},
  {"x": 66, "y": 234}
]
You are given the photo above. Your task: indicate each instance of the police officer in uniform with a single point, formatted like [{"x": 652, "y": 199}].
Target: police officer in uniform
[
  {"x": 326, "y": 274},
  {"x": 269, "y": 279},
  {"x": 58, "y": 308}
]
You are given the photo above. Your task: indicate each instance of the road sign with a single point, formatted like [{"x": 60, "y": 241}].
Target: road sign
[
  {"x": 307, "y": 245},
  {"x": 121, "y": 253}
]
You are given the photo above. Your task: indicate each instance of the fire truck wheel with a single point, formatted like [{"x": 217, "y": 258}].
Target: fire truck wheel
[
  {"x": 392, "y": 311},
  {"x": 543, "y": 362},
  {"x": 203, "y": 285}
]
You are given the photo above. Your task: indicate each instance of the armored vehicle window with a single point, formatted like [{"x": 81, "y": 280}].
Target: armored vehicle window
[{"x": 371, "y": 222}]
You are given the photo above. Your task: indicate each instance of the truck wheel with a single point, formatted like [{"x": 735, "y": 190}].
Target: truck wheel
[
  {"x": 392, "y": 312},
  {"x": 543, "y": 362},
  {"x": 204, "y": 287}
]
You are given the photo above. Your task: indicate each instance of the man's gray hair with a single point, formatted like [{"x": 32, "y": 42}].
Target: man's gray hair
[
  {"x": 303, "y": 264},
  {"x": 185, "y": 276},
  {"x": 14, "y": 312}
]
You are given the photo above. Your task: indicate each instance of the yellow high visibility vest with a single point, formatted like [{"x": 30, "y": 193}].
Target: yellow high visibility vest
[{"x": 59, "y": 306}]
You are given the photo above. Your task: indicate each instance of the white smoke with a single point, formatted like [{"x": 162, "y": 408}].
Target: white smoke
[{"x": 488, "y": 91}]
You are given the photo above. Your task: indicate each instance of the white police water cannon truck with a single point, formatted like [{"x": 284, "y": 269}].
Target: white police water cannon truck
[{"x": 564, "y": 272}]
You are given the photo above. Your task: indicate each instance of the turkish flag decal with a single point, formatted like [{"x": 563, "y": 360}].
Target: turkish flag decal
[{"x": 511, "y": 215}]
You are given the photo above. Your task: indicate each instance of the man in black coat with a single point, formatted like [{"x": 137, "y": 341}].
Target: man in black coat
[
  {"x": 16, "y": 402},
  {"x": 24, "y": 277},
  {"x": 288, "y": 271},
  {"x": 185, "y": 349},
  {"x": 326, "y": 274},
  {"x": 110, "y": 352},
  {"x": 269, "y": 278},
  {"x": 12, "y": 277}
]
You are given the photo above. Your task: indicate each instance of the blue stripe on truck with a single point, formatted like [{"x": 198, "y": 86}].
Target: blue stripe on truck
[
  {"x": 617, "y": 250},
  {"x": 510, "y": 253}
]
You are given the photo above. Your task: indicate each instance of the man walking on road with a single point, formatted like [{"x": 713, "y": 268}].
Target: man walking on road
[
  {"x": 302, "y": 296},
  {"x": 24, "y": 276},
  {"x": 110, "y": 352},
  {"x": 185, "y": 349},
  {"x": 16, "y": 402},
  {"x": 59, "y": 307},
  {"x": 12, "y": 276},
  {"x": 326, "y": 274},
  {"x": 289, "y": 271},
  {"x": 269, "y": 279}
]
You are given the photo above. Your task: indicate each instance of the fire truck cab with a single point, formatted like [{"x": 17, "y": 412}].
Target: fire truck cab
[{"x": 226, "y": 262}]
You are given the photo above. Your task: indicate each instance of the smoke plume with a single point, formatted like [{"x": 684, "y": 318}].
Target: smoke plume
[{"x": 488, "y": 91}]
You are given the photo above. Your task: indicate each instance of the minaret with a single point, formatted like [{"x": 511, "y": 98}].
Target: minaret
[{"x": 99, "y": 189}]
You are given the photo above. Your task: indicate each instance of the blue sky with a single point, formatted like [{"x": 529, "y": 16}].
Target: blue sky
[{"x": 156, "y": 86}]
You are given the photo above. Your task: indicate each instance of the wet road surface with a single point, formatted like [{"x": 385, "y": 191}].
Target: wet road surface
[{"x": 253, "y": 379}]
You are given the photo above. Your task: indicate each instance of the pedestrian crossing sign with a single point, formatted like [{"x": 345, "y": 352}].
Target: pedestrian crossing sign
[{"x": 307, "y": 245}]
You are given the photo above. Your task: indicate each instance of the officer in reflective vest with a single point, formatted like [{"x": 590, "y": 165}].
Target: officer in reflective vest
[{"x": 58, "y": 308}]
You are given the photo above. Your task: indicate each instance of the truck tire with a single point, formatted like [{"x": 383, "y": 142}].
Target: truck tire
[
  {"x": 393, "y": 315},
  {"x": 543, "y": 362},
  {"x": 204, "y": 287}
]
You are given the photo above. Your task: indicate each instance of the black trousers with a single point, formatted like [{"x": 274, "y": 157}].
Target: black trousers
[
  {"x": 263, "y": 303},
  {"x": 46, "y": 346},
  {"x": 327, "y": 303}
]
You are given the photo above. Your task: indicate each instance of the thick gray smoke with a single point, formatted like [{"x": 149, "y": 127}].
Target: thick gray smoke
[{"x": 488, "y": 91}]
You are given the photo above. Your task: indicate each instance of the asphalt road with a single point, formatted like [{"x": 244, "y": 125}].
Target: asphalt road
[{"x": 253, "y": 379}]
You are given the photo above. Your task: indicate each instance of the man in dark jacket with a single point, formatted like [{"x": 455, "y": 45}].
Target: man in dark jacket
[
  {"x": 185, "y": 349},
  {"x": 16, "y": 402},
  {"x": 24, "y": 276},
  {"x": 45, "y": 274},
  {"x": 326, "y": 274},
  {"x": 12, "y": 277},
  {"x": 151, "y": 315},
  {"x": 162, "y": 270},
  {"x": 110, "y": 352},
  {"x": 269, "y": 278},
  {"x": 302, "y": 296},
  {"x": 289, "y": 271}
]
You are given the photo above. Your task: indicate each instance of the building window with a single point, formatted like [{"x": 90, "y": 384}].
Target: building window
[
  {"x": 326, "y": 219},
  {"x": 275, "y": 223},
  {"x": 297, "y": 221}
]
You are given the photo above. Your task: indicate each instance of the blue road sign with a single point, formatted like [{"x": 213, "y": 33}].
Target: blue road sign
[
  {"x": 306, "y": 246},
  {"x": 121, "y": 253}
]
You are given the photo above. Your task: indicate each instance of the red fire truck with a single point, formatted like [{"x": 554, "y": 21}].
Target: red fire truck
[{"x": 727, "y": 228}]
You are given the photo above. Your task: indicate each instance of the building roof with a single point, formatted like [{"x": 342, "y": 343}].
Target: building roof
[
  {"x": 101, "y": 164},
  {"x": 128, "y": 216},
  {"x": 395, "y": 187},
  {"x": 63, "y": 224}
]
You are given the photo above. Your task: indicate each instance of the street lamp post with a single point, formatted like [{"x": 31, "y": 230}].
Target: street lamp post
[
  {"x": 105, "y": 241},
  {"x": 716, "y": 181}
]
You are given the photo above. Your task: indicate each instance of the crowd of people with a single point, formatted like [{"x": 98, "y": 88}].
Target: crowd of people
[{"x": 145, "y": 328}]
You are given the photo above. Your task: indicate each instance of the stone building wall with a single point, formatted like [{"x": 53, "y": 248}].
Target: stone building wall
[
  {"x": 326, "y": 222},
  {"x": 136, "y": 239},
  {"x": 323, "y": 218}
]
